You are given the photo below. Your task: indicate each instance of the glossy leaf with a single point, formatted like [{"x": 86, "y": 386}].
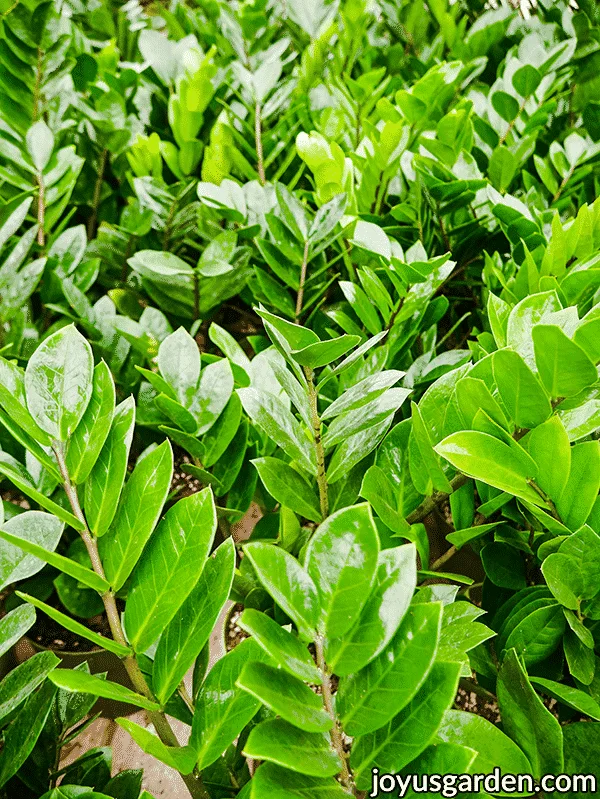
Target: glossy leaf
[{"x": 169, "y": 568}]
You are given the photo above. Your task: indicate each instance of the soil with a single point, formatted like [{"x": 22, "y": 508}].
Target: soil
[
  {"x": 48, "y": 633},
  {"x": 234, "y": 635}
]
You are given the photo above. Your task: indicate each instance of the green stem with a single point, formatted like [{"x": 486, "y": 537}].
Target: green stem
[
  {"x": 303, "y": 269},
  {"x": 320, "y": 452},
  {"x": 258, "y": 142},
  {"x": 160, "y": 722},
  {"x": 93, "y": 220},
  {"x": 337, "y": 741}
]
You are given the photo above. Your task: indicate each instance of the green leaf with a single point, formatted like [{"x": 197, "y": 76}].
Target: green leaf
[
  {"x": 384, "y": 498},
  {"x": 382, "y": 614},
  {"x": 285, "y": 649},
  {"x": 493, "y": 462},
  {"x": 370, "y": 698},
  {"x": 180, "y": 758},
  {"x": 584, "y": 548},
  {"x": 323, "y": 352},
  {"x": 493, "y": 747},
  {"x": 355, "y": 448},
  {"x": 179, "y": 364},
  {"x": 361, "y": 393},
  {"x": 577, "y": 500},
  {"x": 14, "y": 626},
  {"x": 66, "y": 565},
  {"x": 587, "y": 337},
  {"x": 550, "y": 448},
  {"x": 40, "y": 143},
  {"x": 12, "y": 399},
  {"x": 505, "y": 105},
  {"x": 170, "y": 567},
  {"x": 21, "y": 736},
  {"x": 189, "y": 630},
  {"x": 213, "y": 394},
  {"x": 564, "y": 368},
  {"x": 425, "y": 465},
  {"x": 502, "y": 167},
  {"x": 32, "y": 526},
  {"x": 288, "y": 487},
  {"x": 293, "y": 212},
  {"x": 538, "y": 635},
  {"x": 81, "y": 682},
  {"x": 139, "y": 510},
  {"x": 288, "y": 583},
  {"x": 273, "y": 782},
  {"x": 23, "y": 680},
  {"x": 286, "y": 696},
  {"x": 520, "y": 390},
  {"x": 393, "y": 746},
  {"x": 582, "y": 751},
  {"x": 563, "y": 579},
  {"x": 305, "y": 752},
  {"x": 86, "y": 442},
  {"x": 526, "y": 79},
  {"x": 271, "y": 415},
  {"x": 341, "y": 559},
  {"x": 105, "y": 481},
  {"x": 354, "y": 421},
  {"x": 461, "y": 537},
  {"x": 441, "y": 758},
  {"x": 18, "y": 475},
  {"x": 76, "y": 627},
  {"x": 571, "y": 697},
  {"x": 527, "y": 721},
  {"x": 222, "y": 710},
  {"x": 58, "y": 382},
  {"x": 326, "y": 218}
]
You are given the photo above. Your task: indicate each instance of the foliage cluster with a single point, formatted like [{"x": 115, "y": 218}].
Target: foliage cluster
[{"x": 337, "y": 260}]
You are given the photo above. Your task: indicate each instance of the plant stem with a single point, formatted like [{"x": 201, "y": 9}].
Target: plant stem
[
  {"x": 337, "y": 741},
  {"x": 443, "y": 558},
  {"x": 93, "y": 220},
  {"x": 429, "y": 504},
  {"x": 41, "y": 209},
  {"x": 258, "y": 142},
  {"x": 303, "y": 268},
  {"x": 160, "y": 722},
  {"x": 320, "y": 452}
]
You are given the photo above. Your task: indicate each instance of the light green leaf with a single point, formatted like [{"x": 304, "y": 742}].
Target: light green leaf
[
  {"x": 33, "y": 527},
  {"x": 577, "y": 500},
  {"x": 288, "y": 487},
  {"x": 139, "y": 510},
  {"x": 285, "y": 649},
  {"x": 370, "y": 698},
  {"x": 527, "y": 721},
  {"x": 105, "y": 481},
  {"x": 170, "y": 567},
  {"x": 393, "y": 746},
  {"x": 492, "y": 461},
  {"x": 549, "y": 446},
  {"x": 222, "y": 709},
  {"x": 14, "y": 625},
  {"x": 77, "y": 628},
  {"x": 180, "y": 758},
  {"x": 86, "y": 442},
  {"x": 288, "y": 583},
  {"x": 564, "y": 368},
  {"x": 58, "y": 382},
  {"x": 395, "y": 584},
  {"x": 23, "y": 680},
  {"x": 65, "y": 565},
  {"x": 341, "y": 559},
  {"x": 79, "y": 681},
  {"x": 40, "y": 144},
  {"x": 189, "y": 630},
  {"x": 273, "y": 782},
  {"x": 279, "y": 742},
  {"x": 272, "y": 416},
  {"x": 286, "y": 696}
]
